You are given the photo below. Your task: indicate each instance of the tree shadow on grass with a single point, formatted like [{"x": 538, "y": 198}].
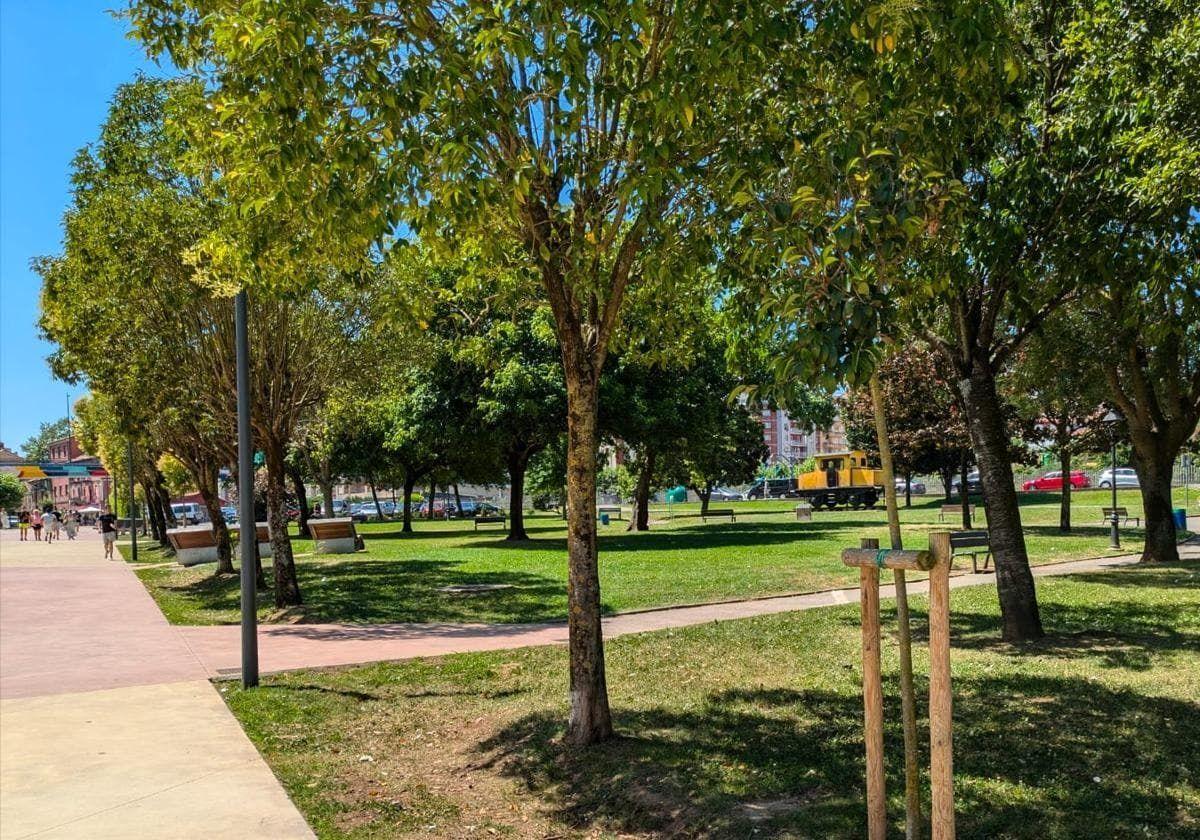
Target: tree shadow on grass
[
  {"x": 396, "y": 591},
  {"x": 1028, "y": 752}
]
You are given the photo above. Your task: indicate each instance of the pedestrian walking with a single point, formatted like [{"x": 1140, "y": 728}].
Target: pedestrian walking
[
  {"x": 52, "y": 524},
  {"x": 35, "y": 522},
  {"x": 23, "y": 524},
  {"x": 71, "y": 525},
  {"x": 108, "y": 532}
]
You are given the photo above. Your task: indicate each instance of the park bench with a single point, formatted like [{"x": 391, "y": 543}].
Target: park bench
[
  {"x": 612, "y": 510},
  {"x": 193, "y": 544},
  {"x": 954, "y": 510},
  {"x": 491, "y": 519},
  {"x": 973, "y": 543},
  {"x": 196, "y": 544},
  {"x": 334, "y": 536},
  {"x": 1122, "y": 516},
  {"x": 804, "y": 513},
  {"x": 715, "y": 512},
  {"x": 262, "y": 532}
]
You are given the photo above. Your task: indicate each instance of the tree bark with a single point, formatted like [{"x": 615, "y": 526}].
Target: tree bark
[
  {"x": 287, "y": 587},
  {"x": 432, "y": 496},
  {"x": 1064, "y": 508},
  {"x": 590, "y": 720},
  {"x": 947, "y": 476},
  {"x": 212, "y": 504},
  {"x": 518, "y": 461},
  {"x": 908, "y": 490},
  {"x": 375, "y": 498},
  {"x": 1154, "y": 475},
  {"x": 410, "y": 482},
  {"x": 301, "y": 500},
  {"x": 457, "y": 500},
  {"x": 1020, "y": 618},
  {"x": 640, "y": 521},
  {"x": 325, "y": 479}
]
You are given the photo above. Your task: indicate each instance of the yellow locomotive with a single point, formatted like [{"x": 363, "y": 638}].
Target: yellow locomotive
[{"x": 842, "y": 478}]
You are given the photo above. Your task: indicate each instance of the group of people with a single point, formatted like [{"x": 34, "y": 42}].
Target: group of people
[
  {"x": 52, "y": 521},
  {"x": 51, "y": 524}
]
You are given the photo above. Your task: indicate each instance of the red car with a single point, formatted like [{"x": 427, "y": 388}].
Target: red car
[{"x": 1053, "y": 481}]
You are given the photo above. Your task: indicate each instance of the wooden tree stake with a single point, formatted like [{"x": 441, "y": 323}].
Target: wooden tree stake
[
  {"x": 872, "y": 700},
  {"x": 941, "y": 758}
]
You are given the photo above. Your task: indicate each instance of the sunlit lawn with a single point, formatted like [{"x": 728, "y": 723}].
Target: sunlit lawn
[
  {"x": 401, "y": 577},
  {"x": 752, "y": 728}
]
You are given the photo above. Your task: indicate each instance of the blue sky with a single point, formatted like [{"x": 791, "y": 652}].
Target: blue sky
[{"x": 60, "y": 61}]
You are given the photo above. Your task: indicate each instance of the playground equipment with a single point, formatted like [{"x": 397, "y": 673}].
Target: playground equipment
[
  {"x": 842, "y": 478},
  {"x": 870, "y": 559}
]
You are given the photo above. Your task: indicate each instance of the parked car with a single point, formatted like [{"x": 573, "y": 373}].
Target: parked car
[
  {"x": 724, "y": 494},
  {"x": 360, "y": 513},
  {"x": 189, "y": 513},
  {"x": 1126, "y": 477},
  {"x": 14, "y": 521},
  {"x": 918, "y": 487},
  {"x": 230, "y": 514},
  {"x": 773, "y": 488},
  {"x": 1054, "y": 481},
  {"x": 974, "y": 483}
]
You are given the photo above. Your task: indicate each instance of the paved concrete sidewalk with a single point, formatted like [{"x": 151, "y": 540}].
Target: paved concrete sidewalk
[
  {"x": 109, "y": 727},
  {"x": 288, "y": 647}
]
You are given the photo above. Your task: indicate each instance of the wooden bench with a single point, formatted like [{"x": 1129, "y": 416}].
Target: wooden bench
[
  {"x": 1122, "y": 516},
  {"x": 193, "y": 544},
  {"x": 615, "y": 511},
  {"x": 954, "y": 510},
  {"x": 334, "y": 536},
  {"x": 714, "y": 512},
  {"x": 492, "y": 519},
  {"x": 972, "y": 543},
  {"x": 804, "y": 513},
  {"x": 262, "y": 532}
]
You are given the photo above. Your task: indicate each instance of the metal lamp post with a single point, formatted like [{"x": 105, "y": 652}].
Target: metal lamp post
[
  {"x": 1111, "y": 420},
  {"x": 132, "y": 504},
  {"x": 248, "y": 526}
]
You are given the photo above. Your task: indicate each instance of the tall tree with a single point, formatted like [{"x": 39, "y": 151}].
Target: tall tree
[
  {"x": 1060, "y": 393},
  {"x": 1135, "y": 106},
  {"x": 37, "y": 447},
  {"x": 592, "y": 127}
]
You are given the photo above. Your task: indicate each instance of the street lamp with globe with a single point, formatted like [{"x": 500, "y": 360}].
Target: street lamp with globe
[{"x": 1112, "y": 421}]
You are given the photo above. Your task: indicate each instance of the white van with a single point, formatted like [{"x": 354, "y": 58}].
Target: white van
[{"x": 189, "y": 513}]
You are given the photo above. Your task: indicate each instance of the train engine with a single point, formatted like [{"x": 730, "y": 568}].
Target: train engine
[{"x": 852, "y": 479}]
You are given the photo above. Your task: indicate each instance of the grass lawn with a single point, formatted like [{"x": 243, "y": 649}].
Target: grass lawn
[
  {"x": 679, "y": 561},
  {"x": 752, "y": 728}
]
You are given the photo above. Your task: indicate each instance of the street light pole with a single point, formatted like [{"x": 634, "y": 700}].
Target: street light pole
[
  {"x": 248, "y": 527},
  {"x": 1112, "y": 419},
  {"x": 132, "y": 502}
]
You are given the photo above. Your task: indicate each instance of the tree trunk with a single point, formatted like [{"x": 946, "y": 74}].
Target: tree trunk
[
  {"x": 432, "y": 497},
  {"x": 946, "y": 474},
  {"x": 410, "y": 482},
  {"x": 1020, "y": 618},
  {"x": 589, "y": 721},
  {"x": 375, "y": 498},
  {"x": 518, "y": 460},
  {"x": 287, "y": 587},
  {"x": 152, "y": 510},
  {"x": 640, "y": 521},
  {"x": 908, "y": 490},
  {"x": 1154, "y": 476},
  {"x": 964, "y": 494},
  {"x": 325, "y": 479},
  {"x": 212, "y": 504},
  {"x": 1064, "y": 509},
  {"x": 457, "y": 500},
  {"x": 301, "y": 500}
]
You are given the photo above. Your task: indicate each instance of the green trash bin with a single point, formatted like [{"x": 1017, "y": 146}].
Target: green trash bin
[
  {"x": 677, "y": 495},
  {"x": 1181, "y": 519},
  {"x": 604, "y": 519}
]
